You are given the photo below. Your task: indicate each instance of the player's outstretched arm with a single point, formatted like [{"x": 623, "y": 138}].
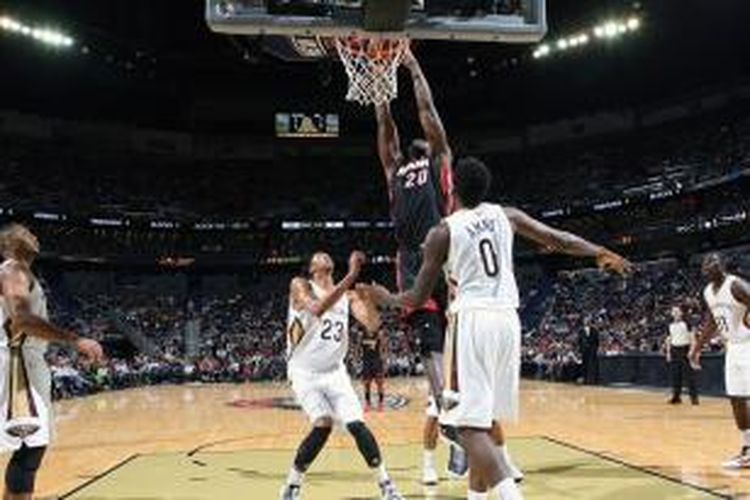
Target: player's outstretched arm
[
  {"x": 15, "y": 287},
  {"x": 303, "y": 298},
  {"x": 389, "y": 147},
  {"x": 564, "y": 242},
  {"x": 435, "y": 251},
  {"x": 365, "y": 310},
  {"x": 428, "y": 115}
]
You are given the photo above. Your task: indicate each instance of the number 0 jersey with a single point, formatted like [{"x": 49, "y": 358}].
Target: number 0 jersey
[
  {"x": 730, "y": 315},
  {"x": 480, "y": 258},
  {"x": 318, "y": 344}
]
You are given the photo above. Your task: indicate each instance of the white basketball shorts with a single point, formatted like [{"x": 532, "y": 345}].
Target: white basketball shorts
[
  {"x": 737, "y": 370},
  {"x": 482, "y": 366},
  {"x": 327, "y": 395}
]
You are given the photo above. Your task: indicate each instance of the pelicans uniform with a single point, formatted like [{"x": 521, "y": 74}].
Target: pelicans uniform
[
  {"x": 483, "y": 344},
  {"x": 37, "y": 372},
  {"x": 316, "y": 348},
  {"x": 731, "y": 318}
]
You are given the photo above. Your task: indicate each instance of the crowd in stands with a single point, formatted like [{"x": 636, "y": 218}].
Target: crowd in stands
[
  {"x": 200, "y": 337},
  {"x": 678, "y": 155},
  {"x": 627, "y": 315},
  {"x": 240, "y": 336},
  {"x": 66, "y": 177},
  {"x": 237, "y": 333}
]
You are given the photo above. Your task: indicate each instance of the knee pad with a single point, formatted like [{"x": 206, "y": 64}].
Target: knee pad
[
  {"x": 310, "y": 447},
  {"x": 366, "y": 443},
  {"x": 20, "y": 475}
]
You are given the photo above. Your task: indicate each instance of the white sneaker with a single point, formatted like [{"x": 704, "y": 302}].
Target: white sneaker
[
  {"x": 516, "y": 474},
  {"x": 388, "y": 491},
  {"x": 429, "y": 476},
  {"x": 741, "y": 461},
  {"x": 290, "y": 492}
]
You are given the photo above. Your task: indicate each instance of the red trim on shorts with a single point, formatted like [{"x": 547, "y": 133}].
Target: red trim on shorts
[
  {"x": 446, "y": 185},
  {"x": 431, "y": 306}
]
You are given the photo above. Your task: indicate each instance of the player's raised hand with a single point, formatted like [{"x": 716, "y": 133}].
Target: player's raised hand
[
  {"x": 91, "y": 350},
  {"x": 356, "y": 261},
  {"x": 607, "y": 260}
]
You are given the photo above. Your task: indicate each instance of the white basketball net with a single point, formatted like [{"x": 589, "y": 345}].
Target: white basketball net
[{"x": 372, "y": 66}]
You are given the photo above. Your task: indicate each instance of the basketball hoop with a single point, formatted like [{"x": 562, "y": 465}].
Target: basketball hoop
[{"x": 372, "y": 66}]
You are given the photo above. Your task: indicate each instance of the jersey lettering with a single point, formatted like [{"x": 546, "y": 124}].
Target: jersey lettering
[
  {"x": 489, "y": 257},
  {"x": 332, "y": 330},
  {"x": 415, "y": 179}
]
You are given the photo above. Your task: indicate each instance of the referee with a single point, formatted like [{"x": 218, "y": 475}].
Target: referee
[{"x": 677, "y": 346}]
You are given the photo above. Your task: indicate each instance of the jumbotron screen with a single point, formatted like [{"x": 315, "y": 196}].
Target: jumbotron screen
[{"x": 307, "y": 125}]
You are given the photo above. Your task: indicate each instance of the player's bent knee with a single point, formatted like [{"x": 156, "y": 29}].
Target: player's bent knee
[
  {"x": 323, "y": 422},
  {"x": 310, "y": 447},
  {"x": 366, "y": 443},
  {"x": 20, "y": 475}
]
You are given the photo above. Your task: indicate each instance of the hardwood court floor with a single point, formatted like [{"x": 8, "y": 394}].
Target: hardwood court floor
[{"x": 236, "y": 441}]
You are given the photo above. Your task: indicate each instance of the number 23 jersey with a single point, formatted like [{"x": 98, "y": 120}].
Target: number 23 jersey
[
  {"x": 480, "y": 258},
  {"x": 318, "y": 344}
]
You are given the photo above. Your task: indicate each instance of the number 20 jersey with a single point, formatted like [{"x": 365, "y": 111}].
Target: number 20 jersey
[
  {"x": 418, "y": 200},
  {"x": 480, "y": 258},
  {"x": 324, "y": 341}
]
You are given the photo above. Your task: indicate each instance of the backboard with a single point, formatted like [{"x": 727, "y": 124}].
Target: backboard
[{"x": 507, "y": 21}]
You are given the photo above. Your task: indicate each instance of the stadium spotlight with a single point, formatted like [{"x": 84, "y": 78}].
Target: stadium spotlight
[
  {"x": 46, "y": 36},
  {"x": 609, "y": 29},
  {"x": 541, "y": 51},
  {"x": 634, "y": 23}
]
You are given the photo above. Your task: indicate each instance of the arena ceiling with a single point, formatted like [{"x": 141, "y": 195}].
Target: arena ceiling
[{"x": 156, "y": 63}]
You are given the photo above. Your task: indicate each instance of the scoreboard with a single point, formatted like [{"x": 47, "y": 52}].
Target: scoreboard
[{"x": 307, "y": 125}]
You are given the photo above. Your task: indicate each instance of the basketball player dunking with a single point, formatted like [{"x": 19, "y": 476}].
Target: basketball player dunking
[
  {"x": 373, "y": 353},
  {"x": 728, "y": 300},
  {"x": 419, "y": 188},
  {"x": 483, "y": 348},
  {"x": 23, "y": 312},
  {"x": 318, "y": 339}
]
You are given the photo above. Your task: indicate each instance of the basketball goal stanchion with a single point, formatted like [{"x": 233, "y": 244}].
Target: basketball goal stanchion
[{"x": 372, "y": 67}]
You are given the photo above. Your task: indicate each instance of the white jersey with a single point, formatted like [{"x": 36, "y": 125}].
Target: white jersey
[
  {"x": 480, "y": 258},
  {"x": 38, "y": 304},
  {"x": 324, "y": 341},
  {"x": 37, "y": 370},
  {"x": 730, "y": 315}
]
